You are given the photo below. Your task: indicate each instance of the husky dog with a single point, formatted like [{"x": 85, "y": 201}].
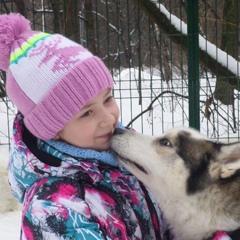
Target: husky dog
[{"x": 196, "y": 181}]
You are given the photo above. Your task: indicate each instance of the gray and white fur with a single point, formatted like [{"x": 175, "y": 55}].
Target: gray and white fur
[{"x": 196, "y": 181}]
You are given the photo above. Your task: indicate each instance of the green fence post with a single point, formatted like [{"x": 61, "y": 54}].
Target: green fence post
[{"x": 193, "y": 63}]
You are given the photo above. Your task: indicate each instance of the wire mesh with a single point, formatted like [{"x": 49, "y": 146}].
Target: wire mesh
[{"x": 143, "y": 43}]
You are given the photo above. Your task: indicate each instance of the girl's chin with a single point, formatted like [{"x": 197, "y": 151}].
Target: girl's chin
[{"x": 103, "y": 147}]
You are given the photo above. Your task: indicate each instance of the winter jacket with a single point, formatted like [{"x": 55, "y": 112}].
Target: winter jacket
[{"x": 65, "y": 197}]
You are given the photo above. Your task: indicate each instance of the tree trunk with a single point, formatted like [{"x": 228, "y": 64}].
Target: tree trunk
[
  {"x": 71, "y": 10},
  {"x": 223, "y": 90},
  {"x": 56, "y": 6},
  {"x": 90, "y": 28}
]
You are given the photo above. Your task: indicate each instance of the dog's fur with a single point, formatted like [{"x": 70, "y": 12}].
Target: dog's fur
[{"x": 196, "y": 181}]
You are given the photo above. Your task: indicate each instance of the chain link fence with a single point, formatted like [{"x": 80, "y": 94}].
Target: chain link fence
[{"x": 145, "y": 45}]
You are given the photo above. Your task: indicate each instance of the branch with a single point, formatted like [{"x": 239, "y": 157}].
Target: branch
[
  {"x": 207, "y": 107},
  {"x": 150, "y": 107}
]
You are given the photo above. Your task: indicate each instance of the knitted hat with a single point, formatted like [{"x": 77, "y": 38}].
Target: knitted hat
[{"x": 49, "y": 77}]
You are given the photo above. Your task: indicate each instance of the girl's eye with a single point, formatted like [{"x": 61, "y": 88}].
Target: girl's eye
[
  {"x": 165, "y": 142},
  {"x": 86, "y": 114},
  {"x": 109, "y": 99}
]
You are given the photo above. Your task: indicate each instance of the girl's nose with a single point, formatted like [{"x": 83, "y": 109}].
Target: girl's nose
[{"x": 107, "y": 119}]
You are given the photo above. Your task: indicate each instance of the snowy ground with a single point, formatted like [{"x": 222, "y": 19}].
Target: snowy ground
[
  {"x": 9, "y": 221},
  {"x": 10, "y": 225}
]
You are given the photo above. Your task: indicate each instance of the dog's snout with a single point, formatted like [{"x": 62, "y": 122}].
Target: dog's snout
[{"x": 118, "y": 131}]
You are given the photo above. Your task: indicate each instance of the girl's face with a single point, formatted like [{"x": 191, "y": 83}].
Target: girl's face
[{"x": 93, "y": 126}]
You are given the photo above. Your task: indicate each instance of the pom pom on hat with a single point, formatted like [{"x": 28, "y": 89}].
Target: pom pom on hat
[
  {"x": 11, "y": 28},
  {"x": 49, "y": 77}
]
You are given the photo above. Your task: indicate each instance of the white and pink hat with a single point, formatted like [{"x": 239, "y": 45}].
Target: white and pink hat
[{"x": 49, "y": 77}]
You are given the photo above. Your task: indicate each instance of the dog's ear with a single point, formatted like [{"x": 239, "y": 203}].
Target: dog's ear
[{"x": 229, "y": 159}]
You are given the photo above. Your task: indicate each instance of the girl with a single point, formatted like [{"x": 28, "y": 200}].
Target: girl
[{"x": 60, "y": 167}]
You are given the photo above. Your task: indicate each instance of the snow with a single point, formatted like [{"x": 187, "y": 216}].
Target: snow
[
  {"x": 9, "y": 221},
  {"x": 10, "y": 225}
]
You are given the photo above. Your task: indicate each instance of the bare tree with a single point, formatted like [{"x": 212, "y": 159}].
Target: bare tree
[
  {"x": 224, "y": 91},
  {"x": 90, "y": 27},
  {"x": 70, "y": 19},
  {"x": 56, "y": 7}
]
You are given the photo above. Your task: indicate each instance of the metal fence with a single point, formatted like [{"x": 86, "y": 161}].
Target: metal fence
[{"x": 173, "y": 63}]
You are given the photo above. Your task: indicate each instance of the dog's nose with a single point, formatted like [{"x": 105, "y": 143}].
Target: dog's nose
[{"x": 118, "y": 131}]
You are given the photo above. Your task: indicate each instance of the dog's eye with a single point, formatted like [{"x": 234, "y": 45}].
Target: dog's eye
[{"x": 165, "y": 142}]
